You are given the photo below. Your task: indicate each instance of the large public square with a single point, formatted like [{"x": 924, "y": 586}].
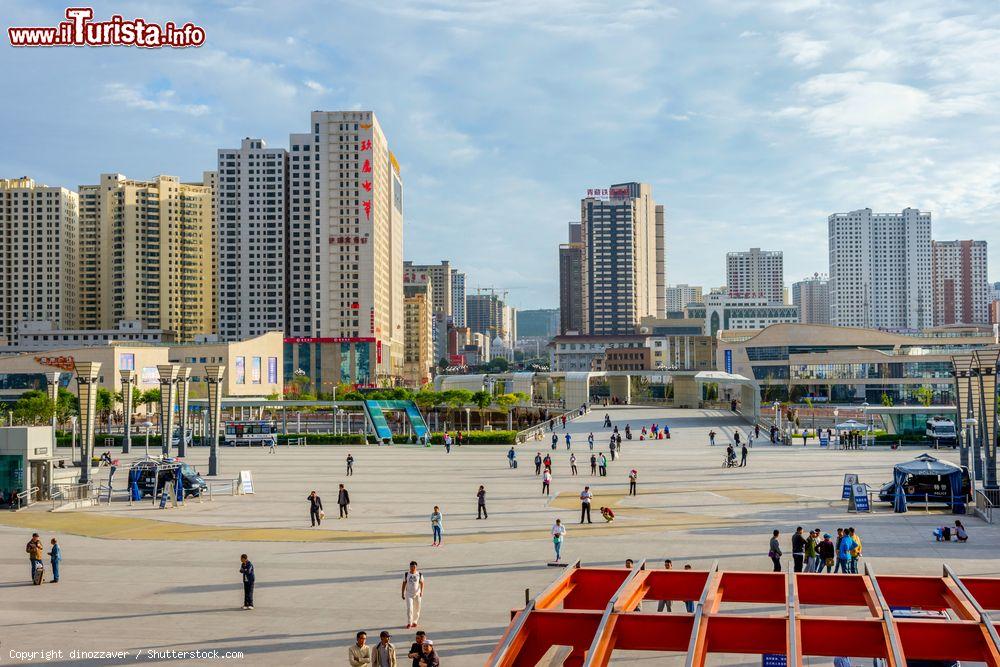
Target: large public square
[{"x": 139, "y": 578}]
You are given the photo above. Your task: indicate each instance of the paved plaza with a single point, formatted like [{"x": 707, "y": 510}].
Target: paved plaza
[{"x": 137, "y": 578}]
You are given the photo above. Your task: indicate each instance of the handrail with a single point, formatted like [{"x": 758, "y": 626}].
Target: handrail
[
  {"x": 984, "y": 506},
  {"x": 33, "y": 491},
  {"x": 522, "y": 436},
  {"x": 887, "y": 619}
]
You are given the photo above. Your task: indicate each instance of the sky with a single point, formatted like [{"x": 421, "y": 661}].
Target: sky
[{"x": 752, "y": 119}]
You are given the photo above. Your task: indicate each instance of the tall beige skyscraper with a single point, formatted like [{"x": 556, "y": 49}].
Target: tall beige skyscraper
[
  {"x": 146, "y": 254},
  {"x": 418, "y": 306},
  {"x": 345, "y": 296},
  {"x": 959, "y": 274},
  {"x": 38, "y": 255},
  {"x": 623, "y": 266}
]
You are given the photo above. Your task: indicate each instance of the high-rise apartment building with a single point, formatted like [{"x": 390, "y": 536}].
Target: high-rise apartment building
[
  {"x": 418, "y": 319},
  {"x": 251, "y": 200},
  {"x": 679, "y": 296},
  {"x": 457, "y": 298},
  {"x": 623, "y": 267},
  {"x": 345, "y": 303},
  {"x": 756, "y": 274},
  {"x": 38, "y": 255},
  {"x": 439, "y": 276},
  {"x": 880, "y": 269},
  {"x": 571, "y": 294},
  {"x": 959, "y": 278},
  {"x": 812, "y": 297},
  {"x": 145, "y": 253},
  {"x": 484, "y": 313}
]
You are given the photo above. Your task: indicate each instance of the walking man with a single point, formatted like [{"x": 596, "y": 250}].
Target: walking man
[
  {"x": 315, "y": 508},
  {"x": 743, "y": 456},
  {"x": 558, "y": 532},
  {"x": 633, "y": 475},
  {"x": 481, "y": 503},
  {"x": 546, "y": 481},
  {"x": 590, "y": 440},
  {"x": 604, "y": 465},
  {"x": 711, "y": 438},
  {"x": 567, "y": 441},
  {"x": 855, "y": 550},
  {"x": 343, "y": 500},
  {"x": 246, "y": 569},
  {"x": 585, "y": 498},
  {"x": 593, "y": 465},
  {"x": 798, "y": 549},
  {"x": 538, "y": 463},
  {"x": 572, "y": 463},
  {"x": 511, "y": 457},
  {"x": 774, "y": 552},
  {"x": 55, "y": 556},
  {"x": 555, "y": 441},
  {"x": 412, "y": 592},
  {"x": 350, "y": 464},
  {"x": 844, "y": 552}
]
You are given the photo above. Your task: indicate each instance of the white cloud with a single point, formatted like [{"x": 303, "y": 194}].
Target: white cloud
[
  {"x": 875, "y": 59},
  {"x": 803, "y": 50},
  {"x": 315, "y": 86},
  {"x": 164, "y": 100},
  {"x": 746, "y": 34}
]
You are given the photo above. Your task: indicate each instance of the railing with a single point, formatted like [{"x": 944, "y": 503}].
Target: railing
[
  {"x": 61, "y": 494},
  {"x": 983, "y": 507},
  {"x": 25, "y": 498},
  {"x": 533, "y": 432},
  {"x": 223, "y": 487}
]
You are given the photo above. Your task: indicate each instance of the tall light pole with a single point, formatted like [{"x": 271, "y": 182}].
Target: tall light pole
[
  {"x": 168, "y": 399},
  {"x": 52, "y": 381},
  {"x": 213, "y": 378}
]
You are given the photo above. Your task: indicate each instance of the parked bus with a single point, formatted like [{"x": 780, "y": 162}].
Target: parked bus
[{"x": 250, "y": 433}]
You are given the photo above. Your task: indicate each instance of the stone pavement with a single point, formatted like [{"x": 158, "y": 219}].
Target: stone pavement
[{"x": 138, "y": 577}]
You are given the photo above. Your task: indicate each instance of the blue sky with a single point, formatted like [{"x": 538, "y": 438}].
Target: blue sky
[{"x": 753, "y": 120}]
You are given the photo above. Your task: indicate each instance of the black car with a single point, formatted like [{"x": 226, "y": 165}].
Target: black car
[{"x": 153, "y": 476}]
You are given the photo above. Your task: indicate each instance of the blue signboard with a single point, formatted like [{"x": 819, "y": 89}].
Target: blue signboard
[
  {"x": 728, "y": 356},
  {"x": 824, "y": 440},
  {"x": 859, "y": 493},
  {"x": 773, "y": 660},
  {"x": 849, "y": 480}
]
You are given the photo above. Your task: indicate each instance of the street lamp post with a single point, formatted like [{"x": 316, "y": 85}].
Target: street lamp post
[
  {"x": 148, "y": 425},
  {"x": 777, "y": 416},
  {"x": 969, "y": 425}
]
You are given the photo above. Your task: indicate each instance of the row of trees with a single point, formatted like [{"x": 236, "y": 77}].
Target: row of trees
[{"x": 34, "y": 408}]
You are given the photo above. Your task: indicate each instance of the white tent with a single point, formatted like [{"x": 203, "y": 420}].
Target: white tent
[{"x": 850, "y": 425}]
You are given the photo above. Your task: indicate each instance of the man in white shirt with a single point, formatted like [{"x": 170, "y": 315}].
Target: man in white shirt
[
  {"x": 412, "y": 591},
  {"x": 585, "y": 497},
  {"x": 558, "y": 531}
]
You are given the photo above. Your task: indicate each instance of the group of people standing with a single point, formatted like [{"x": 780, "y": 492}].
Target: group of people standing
[
  {"x": 383, "y": 654},
  {"x": 812, "y": 552},
  {"x": 36, "y": 555}
]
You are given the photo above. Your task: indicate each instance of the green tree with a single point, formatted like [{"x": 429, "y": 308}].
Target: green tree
[
  {"x": 483, "y": 400},
  {"x": 887, "y": 400},
  {"x": 497, "y": 365},
  {"x": 427, "y": 399},
  {"x": 67, "y": 405},
  {"x": 33, "y": 408},
  {"x": 150, "y": 397},
  {"x": 925, "y": 395},
  {"x": 456, "y": 398}
]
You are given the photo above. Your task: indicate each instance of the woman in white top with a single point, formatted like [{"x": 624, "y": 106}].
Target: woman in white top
[
  {"x": 558, "y": 531},
  {"x": 546, "y": 482}
]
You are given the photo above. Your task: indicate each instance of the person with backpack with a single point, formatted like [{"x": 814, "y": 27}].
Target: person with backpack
[
  {"x": 604, "y": 465},
  {"x": 547, "y": 482},
  {"x": 538, "y": 463},
  {"x": 481, "y": 503},
  {"x": 827, "y": 554},
  {"x": 844, "y": 552},
  {"x": 855, "y": 550},
  {"x": 590, "y": 440},
  {"x": 512, "y": 458}
]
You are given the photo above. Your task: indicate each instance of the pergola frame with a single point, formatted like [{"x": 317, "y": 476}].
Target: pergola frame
[{"x": 593, "y": 612}]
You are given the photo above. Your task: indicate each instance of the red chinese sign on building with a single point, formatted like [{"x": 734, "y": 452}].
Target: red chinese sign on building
[
  {"x": 348, "y": 240},
  {"x": 366, "y": 170}
]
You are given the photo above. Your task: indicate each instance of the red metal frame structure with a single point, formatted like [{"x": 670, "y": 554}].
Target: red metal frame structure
[{"x": 592, "y": 611}]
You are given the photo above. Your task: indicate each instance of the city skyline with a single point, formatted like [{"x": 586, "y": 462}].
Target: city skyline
[{"x": 757, "y": 143}]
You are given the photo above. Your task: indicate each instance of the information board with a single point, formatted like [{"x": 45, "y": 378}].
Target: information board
[
  {"x": 773, "y": 660},
  {"x": 849, "y": 480},
  {"x": 859, "y": 498}
]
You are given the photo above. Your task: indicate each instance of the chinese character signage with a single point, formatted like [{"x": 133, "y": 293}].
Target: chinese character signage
[{"x": 365, "y": 157}]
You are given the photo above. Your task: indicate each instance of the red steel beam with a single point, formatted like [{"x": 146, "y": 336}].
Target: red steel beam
[{"x": 946, "y": 640}]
